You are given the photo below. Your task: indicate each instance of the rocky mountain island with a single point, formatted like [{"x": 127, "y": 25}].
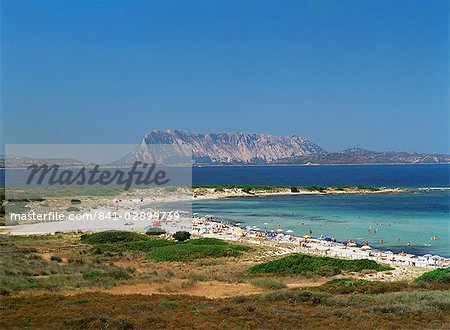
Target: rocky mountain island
[{"x": 252, "y": 148}]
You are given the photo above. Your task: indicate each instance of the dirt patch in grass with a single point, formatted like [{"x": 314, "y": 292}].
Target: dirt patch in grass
[{"x": 208, "y": 289}]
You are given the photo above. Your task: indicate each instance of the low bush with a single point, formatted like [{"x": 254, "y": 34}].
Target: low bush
[
  {"x": 22, "y": 269},
  {"x": 149, "y": 244},
  {"x": 108, "y": 249},
  {"x": 181, "y": 236},
  {"x": 314, "y": 265},
  {"x": 415, "y": 301},
  {"x": 155, "y": 232},
  {"x": 207, "y": 241},
  {"x": 360, "y": 187},
  {"x": 113, "y": 237},
  {"x": 314, "y": 188},
  {"x": 438, "y": 275},
  {"x": 188, "y": 252}
]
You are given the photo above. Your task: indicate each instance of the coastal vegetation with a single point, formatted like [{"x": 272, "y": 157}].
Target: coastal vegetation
[
  {"x": 274, "y": 309},
  {"x": 73, "y": 283},
  {"x": 189, "y": 252},
  {"x": 438, "y": 275},
  {"x": 179, "y": 249},
  {"x": 315, "y": 265},
  {"x": 23, "y": 269},
  {"x": 112, "y": 237},
  {"x": 181, "y": 236},
  {"x": 293, "y": 189}
]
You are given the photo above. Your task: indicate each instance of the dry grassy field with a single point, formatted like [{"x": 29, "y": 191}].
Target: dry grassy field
[{"x": 133, "y": 282}]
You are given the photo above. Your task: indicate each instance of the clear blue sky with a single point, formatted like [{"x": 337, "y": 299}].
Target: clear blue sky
[{"x": 342, "y": 73}]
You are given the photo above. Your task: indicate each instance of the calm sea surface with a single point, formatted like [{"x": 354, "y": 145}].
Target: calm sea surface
[
  {"x": 333, "y": 175},
  {"x": 397, "y": 219}
]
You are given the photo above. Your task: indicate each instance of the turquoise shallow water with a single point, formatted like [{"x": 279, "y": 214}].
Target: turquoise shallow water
[{"x": 413, "y": 217}]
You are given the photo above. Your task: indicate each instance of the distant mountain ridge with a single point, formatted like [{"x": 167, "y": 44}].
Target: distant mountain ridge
[
  {"x": 239, "y": 148},
  {"x": 253, "y": 148},
  {"x": 362, "y": 156},
  {"x": 216, "y": 148}
]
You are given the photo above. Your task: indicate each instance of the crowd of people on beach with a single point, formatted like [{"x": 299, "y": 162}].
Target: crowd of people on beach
[{"x": 208, "y": 226}]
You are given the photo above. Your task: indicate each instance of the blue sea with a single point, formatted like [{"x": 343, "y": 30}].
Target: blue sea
[
  {"x": 405, "y": 222},
  {"x": 413, "y": 217}
]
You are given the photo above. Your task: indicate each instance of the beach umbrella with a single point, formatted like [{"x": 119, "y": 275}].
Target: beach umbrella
[
  {"x": 436, "y": 257},
  {"x": 428, "y": 256},
  {"x": 366, "y": 247},
  {"x": 306, "y": 236},
  {"x": 328, "y": 239},
  {"x": 289, "y": 231},
  {"x": 389, "y": 252}
]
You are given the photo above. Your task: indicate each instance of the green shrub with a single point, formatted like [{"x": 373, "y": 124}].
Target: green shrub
[
  {"x": 21, "y": 269},
  {"x": 147, "y": 245},
  {"x": 327, "y": 271},
  {"x": 187, "y": 252},
  {"x": 181, "y": 236},
  {"x": 360, "y": 187},
  {"x": 315, "y": 188},
  {"x": 294, "y": 190},
  {"x": 113, "y": 237},
  {"x": 207, "y": 241},
  {"x": 91, "y": 275},
  {"x": 307, "y": 265},
  {"x": 419, "y": 301},
  {"x": 108, "y": 249},
  {"x": 155, "y": 231},
  {"x": 441, "y": 275},
  {"x": 75, "y": 201}
]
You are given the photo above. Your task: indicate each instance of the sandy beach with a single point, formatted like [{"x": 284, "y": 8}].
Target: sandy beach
[
  {"x": 214, "y": 193},
  {"x": 131, "y": 213},
  {"x": 324, "y": 246}
]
